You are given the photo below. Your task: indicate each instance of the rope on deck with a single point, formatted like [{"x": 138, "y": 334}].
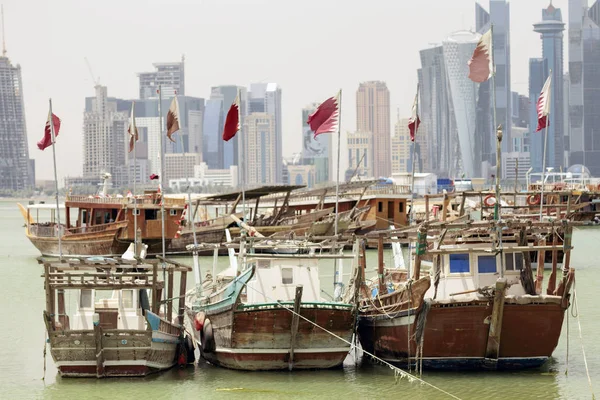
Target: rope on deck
[
  {"x": 398, "y": 372},
  {"x": 587, "y": 371}
]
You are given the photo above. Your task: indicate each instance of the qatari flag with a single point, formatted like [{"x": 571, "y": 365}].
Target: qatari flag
[
  {"x": 543, "y": 106},
  {"x": 46, "y": 141},
  {"x": 481, "y": 64},
  {"x": 173, "y": 118},
  {"x": 326, "y": 118},
  {"x": 414, "y": 121},
  {"x": 232, "y": 121}
]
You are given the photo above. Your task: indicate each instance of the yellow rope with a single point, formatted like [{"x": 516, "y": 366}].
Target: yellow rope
[{"x": 587, "y": 371}]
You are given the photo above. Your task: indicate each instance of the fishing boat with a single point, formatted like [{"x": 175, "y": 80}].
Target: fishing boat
[
  {"x": 116, "y": 329},
  {"x": 470, "y": 311},
  {"x": 271, "y": 316}
]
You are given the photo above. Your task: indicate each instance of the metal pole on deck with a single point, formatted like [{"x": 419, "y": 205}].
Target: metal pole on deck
[{"x": 59, "y": 233}]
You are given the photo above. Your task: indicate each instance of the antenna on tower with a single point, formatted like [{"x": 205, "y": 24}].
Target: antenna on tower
[
  {"x": 3, "y": 41},
  {"x": 94, "y": 79}
]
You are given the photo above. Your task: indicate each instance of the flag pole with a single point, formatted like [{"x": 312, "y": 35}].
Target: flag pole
[
  {"x": 544, "y": 155},
  {"x": 337, "y": 190},
  {"x": 411, "y": 217},
  {"x": 162, "y": 188},
  {"x": 59, "y": 234},
  {"x": 135, "y": 216},
  {"x": 242, "y": 161}
]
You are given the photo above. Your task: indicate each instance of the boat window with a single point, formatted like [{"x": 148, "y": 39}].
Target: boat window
[
  {"x": 459, "y": 263},
  {"x": 486, "y": 264},
  {"x": 84, "y": 217},
  {"x": 514, "y": 261},
  {"x": 127, "y": 296},
  {"x": 287, "y": 276},
  {"x": 400, "y": 207},
  {"x": 509, "y": 263},
  {"x": 150, "y": 214},
  {"x": 136, "y": 211},
  {"x": 518, "y": 261},
  {"x": 380, "y": 206},
  {"x": 264, "y": 263},
  {"x": 172, "y": 212},
  {"x": 85, "y": 298}
]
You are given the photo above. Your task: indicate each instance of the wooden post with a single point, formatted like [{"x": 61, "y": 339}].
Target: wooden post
[
  {"x": 234, "y": 206},
  {"x": 169, "y": 303},
  {"x": 99, "y": 351},
  {"x": 526, "y": 272},
  {"x": 446, "y": 204},
  {"x": 539, "y": 276},
  {"x": 568, "y": 236},
  {"x": 182, "y": 288},
  {"x": 62, "y": 317},
  {"x": 380, "y": 269},
  {"x": 426, "y": 207},
  {"x": 283, "y": 206},
  {"x": 568, "y": 205},
  {"x": 420, "y": 250},
  {"x": 552, "y": 279},
  {"x": 155, "y": 296},
  {"x": 462, "y": 205},
  {"x": 295, "y": 323},
  {"x": 493, "y": 343},
  {"x": 256, "y": 209},
  {"x": 49, "y": 294}
]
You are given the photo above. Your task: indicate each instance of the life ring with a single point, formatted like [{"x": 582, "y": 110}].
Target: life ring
[
  {"x": 199, "y": 321},
  {"x": 487, "y": 201},
  {"x": 533, "y": 199},
  {"x": 207, "y": 338},
  {"x": 189, "y": 347}
]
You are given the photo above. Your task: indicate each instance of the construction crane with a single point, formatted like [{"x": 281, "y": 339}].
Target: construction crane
[{"x": 94, "y": 79}]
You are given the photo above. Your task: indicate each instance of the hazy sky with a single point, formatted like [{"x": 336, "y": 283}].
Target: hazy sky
[{"x": 310, "y": 47}]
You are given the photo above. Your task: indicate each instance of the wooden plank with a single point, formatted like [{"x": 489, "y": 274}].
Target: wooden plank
[
  {"x": 526, "y": 272},
  {"x": 295, "y": 322},
  {"x": 552, "y": 278},
  {"x": 539, "y": 276},
  {"x": 169, "y": 305},
  {"x": 382, "y": 288},
  {"x": 99, "y": 351},
  {"x": 182, "y": 288},
  {"x": 493, "y": 342}
]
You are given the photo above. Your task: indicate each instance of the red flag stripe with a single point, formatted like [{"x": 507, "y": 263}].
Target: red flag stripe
[
  {"x": 326, "y": 118},
  {"x": 232, "y": 121},
  {"x": 543, "y": 106},
  {"x": 46, "y": 140}
]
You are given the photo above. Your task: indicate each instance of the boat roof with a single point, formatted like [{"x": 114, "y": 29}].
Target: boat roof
[
  {"x": 254, "y": 193},
  {"x": 45, "y": 206}
]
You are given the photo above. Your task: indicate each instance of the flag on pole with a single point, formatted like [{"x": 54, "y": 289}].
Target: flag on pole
[
  {"x": 132, "y": 130},
  {"x": 46, "y": 140},
  {"x": 481, "y": 64},
  {"x": 153, "y": 177},
  {"x": 173, "y": 119},
  {"x": 232, "y": 121},
  {"x": 326, "y": 118},
  {"x": 543, "y": 106},
  {"x": 414, "y": 121}
]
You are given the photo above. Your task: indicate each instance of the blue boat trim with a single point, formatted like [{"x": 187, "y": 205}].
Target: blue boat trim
[{"x": 172, "y": 341}]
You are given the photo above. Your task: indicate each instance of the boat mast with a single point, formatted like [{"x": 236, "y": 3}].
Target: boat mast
[
  {"x": 544, "y": 155},
  {"x": 191, "y": 220},
  {"x": 337, "y": 193},
  {"x": 412, "y": 180},
  {"x": 135, "y": 217},
  {"x": 58, "y": 230},
  {"x": 162, "y": 187}
]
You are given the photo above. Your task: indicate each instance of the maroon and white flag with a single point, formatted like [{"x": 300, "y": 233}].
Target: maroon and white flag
[
  {"x": 481, "y": 64},
  {"x": 132, "y": 130},
  {"x": 414, "y": 121},
  {"x": 46, "y": 140},
  {"x": 173, "y": 119},
  {"x": 543, "y": 106},
  {"x": 326, "y": 118},
  {"x": 232, "y": 121}
]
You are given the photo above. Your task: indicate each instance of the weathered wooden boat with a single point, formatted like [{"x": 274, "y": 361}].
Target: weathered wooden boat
[
  {"x": 116, "y": 329},
  {"x": 271, "y": 316},
  {"x": 472, "y": 309}
]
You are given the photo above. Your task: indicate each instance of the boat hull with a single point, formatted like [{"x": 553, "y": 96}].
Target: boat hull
[
  {"x": 455, "y": 335},
  {"x": 259, "y": 338}
]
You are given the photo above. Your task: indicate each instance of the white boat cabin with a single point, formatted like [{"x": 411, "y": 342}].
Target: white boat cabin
[
  {"x": 122, "y": 310},
  {"x": 469, "y": 271},
  {"x": 277, "y": 278}
]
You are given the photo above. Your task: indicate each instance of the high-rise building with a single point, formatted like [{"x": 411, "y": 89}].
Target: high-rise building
[
  {"x": 577, "y": 150},
  {"x": 17, "y": 171},
  {"x": 499, "y": 16},
  {"x": 317, "y": 151},
  {"x": 373, "y": 115},
  {"x": 170, "y": 75},
  {"x": 401, "y": 147},
  {"x": 551, "y": 29},
  {"x": 227, "y": 95},
  {"x": 104, "y": 139},
  {"x": 538, "y": 72},
  {"x": 361, "y": 154},
  {"x": 266, "y": 98},
  {"x": 212, "y": 145},
  {"x": 434, "y": 137},
  {"x": 260, "y": 154}
]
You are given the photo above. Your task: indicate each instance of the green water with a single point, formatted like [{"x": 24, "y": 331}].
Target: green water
[{"x": 23, "y": 336}]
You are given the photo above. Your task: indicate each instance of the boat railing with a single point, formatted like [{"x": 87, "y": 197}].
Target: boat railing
[
  {"x": 47, "y": 230},
  {"x": 139, "y": 200}
]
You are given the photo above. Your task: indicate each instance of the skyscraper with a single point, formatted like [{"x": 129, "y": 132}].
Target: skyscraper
[
  {"x": 259, "y": 153},
  {"x": 212, "y": 144},
  {"x": 577, "y": 10},
  {"x": 551, "y": 29},
  {"x": 401, "y": 147},
  {"x": 170, "y": 75},
  {"x": 538, "y": 72},
  {"x": 361, "y": 154},
  {"x": 104, "y": 144},
  {"x": 316, "y": 151},
  {"x": 266, "y": 98},
  {"x": 373, "y": 115},
  {"x": 16, "y": 169},
  {"x": 499, "y": 16}
]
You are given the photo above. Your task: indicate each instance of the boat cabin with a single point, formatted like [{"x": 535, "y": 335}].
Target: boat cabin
[{"x": 117, "y": 309}]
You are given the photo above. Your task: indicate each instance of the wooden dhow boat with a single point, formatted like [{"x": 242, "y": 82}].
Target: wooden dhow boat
[
  {"x": 271, "y": 316},
  {"x": 479, "y": 307},
  {"x": 117, "y": 329}
]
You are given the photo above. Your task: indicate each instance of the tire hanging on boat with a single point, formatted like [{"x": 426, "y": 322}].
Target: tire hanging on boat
[
  {"x": 207, "y": 338},
  {"x": 533, "y": 199}
]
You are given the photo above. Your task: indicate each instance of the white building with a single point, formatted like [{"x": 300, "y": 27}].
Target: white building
[
  {"x": 260, "y": 152},
  {"x": 302, "y": 175},
  {"x": 401, "y": 147},
  {"x": 425, "y": 182},
  {"x": 180, "y": 165},
  {"x": 360, "y": 153},
  {"x": 223, "y": 177}
]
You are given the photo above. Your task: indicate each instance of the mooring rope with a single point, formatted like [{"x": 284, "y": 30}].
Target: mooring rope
[
  {"x": 398, "y": 372},
  {"x": 587, "y": 371}
]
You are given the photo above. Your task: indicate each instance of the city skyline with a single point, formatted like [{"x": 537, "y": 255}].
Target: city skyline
[{"x": 53, "y": 69}]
